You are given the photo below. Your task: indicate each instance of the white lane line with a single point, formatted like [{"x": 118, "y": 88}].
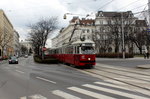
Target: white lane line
[
  {"x": 111, "y": 85},
  {"x": 46, "y": 80},
  {"x": 19, "y": 71},
  {"x": 64, "y": 95},
  {"x": 126, "y": 88},
  {"x": 37, "y": 96},
  {"x": 23, "y": 97},
  {"x": 90, "y": 93},
  {"x": 115, "y": 92}
]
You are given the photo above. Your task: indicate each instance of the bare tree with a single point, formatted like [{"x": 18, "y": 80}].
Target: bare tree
[
  {"x": 115, "y": 24},
  {"x": 6, "y": 38},
  {"x": 138, "y": 39},
  {"x": 40, "y": 32},
  {"x": 24, "y": 49},
  {"x": 102, "y": 41}
]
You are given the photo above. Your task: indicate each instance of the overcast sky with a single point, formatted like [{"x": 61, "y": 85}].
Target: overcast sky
[{"x": 23, "y": 12}]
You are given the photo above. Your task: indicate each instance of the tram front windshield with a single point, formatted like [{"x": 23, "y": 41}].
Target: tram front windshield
[{"x": 87, "y": 50}]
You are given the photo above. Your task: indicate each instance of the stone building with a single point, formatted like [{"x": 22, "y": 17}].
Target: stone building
[
  {"x": 76, "y": 30},
  {"x": 106, "y": 30},
  {"x": 16, "y": 43},
  {"x": 6, "y": 36},
  {"x": 27, "y": 45},
  {"x": 109, "y": 26}
]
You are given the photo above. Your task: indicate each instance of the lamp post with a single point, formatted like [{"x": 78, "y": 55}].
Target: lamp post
[
  {"x": 75, "y": 25},
  {"x": 123, "y": 45}
]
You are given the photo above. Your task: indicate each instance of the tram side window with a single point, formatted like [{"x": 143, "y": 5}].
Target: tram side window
[
  {"x": 71, "y": 50},
  {"x": 78, "y": 50},
  {"x": 75, "y": 52}
]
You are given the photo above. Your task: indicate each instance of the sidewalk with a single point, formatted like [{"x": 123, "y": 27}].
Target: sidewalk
[
  {"x": 3, "y": 61},
  {"x": 136, "y": 62},
  {"x": 135, "y": 58}
]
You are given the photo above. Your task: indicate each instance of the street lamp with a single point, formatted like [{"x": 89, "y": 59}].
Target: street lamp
[{"x": 123, "y": 45}]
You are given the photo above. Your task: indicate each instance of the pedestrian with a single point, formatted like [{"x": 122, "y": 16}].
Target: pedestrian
[{"x": 144, "y": 53}]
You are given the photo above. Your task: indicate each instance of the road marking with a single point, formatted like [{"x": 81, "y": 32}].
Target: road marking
[
  {"x": 64, "y": 95},
  {"x": 46, "y": 80},
  {"x": 19, "y": 71},
  {"x": 90, "y": 93},
  {"x": 37, "y": 96},
  {"x": 122, "y": 68},
  {"x": 23, "y": 97},
  {"x": 111, "y": 85},
  {"x": 115, "y": 92}
]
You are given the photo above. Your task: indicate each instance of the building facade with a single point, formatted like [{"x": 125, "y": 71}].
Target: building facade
[
  {"x": 110, "y": 28},
  {"x": 16, "y": 44},
  {"x": 6, "y": 36},
  {"x": 77, "y": 29},
  {"x": 27, "y": 49}
]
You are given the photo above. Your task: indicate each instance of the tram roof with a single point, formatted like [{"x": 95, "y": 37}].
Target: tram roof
[{"x": 81, "y": 42}]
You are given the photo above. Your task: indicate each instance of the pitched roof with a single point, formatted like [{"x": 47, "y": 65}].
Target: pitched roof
[
  {"x": 113, "y": 14},
  {"x": 141, "y": 23},
  {"x": 74, "y": 19},
  {"x": 87, "y": 22},
  {"x": 83, "y": 21}
]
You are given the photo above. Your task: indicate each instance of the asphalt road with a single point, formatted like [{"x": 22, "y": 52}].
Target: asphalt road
[
  {"x": 128, "y": 62},
  {"x": 29, "y": 80}
]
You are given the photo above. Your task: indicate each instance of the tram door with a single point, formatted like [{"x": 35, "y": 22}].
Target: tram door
[{"x": 77, "y": 55}]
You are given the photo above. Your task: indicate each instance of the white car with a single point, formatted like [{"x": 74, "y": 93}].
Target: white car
[{"x": 25, "y": 56}]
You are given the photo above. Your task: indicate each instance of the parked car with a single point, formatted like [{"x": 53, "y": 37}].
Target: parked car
[{"x": 13, "y": 60}]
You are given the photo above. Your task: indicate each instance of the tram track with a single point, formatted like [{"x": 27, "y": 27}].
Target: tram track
[
  {"x": 123, "y": 75},
  {"x": 97, "y": 72},
  {"x": 124, "y": 70}
]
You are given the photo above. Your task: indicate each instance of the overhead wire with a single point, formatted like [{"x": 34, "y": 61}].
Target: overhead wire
[
  {"x": 142, "y": 10},
  {"x": 128, "y": 5},
  {"x": 139, "y": 6},
  {"x": 105, "y": 4}
]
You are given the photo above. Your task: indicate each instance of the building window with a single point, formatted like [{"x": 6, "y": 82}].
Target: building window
[
  {"x": 88, "y": 30},
  {"x": 101, "y": 21},
  {"x": 83, "y": 31}
]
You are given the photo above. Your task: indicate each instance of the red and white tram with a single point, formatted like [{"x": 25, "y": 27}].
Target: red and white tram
[{"x": 79, "y": 53}]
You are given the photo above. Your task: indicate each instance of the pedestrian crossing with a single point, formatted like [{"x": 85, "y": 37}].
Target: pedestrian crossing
[
  {"x": 64, "y": 95},
  {"x": 100, "y": 90}
]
